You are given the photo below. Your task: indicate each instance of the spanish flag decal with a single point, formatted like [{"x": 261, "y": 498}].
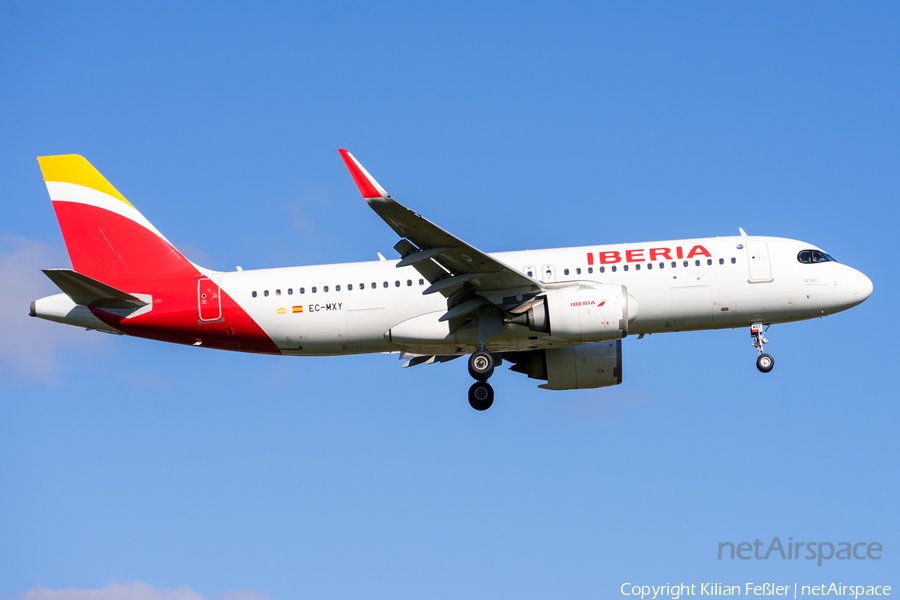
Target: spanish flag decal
[{"x": 298, "y": 309}]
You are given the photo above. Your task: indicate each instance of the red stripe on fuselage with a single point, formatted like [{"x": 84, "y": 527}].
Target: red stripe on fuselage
[
  {"x": 126, "y": 255},
  {"x": 175, "y": 317}
]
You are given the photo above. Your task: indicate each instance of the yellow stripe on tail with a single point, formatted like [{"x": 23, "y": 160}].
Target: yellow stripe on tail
[{"x": 71, "y": 168}]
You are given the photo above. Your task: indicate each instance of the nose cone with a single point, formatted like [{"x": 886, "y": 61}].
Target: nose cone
[
  {"x": 860, "y": 288},
  {"x": 865, "y": 287}
]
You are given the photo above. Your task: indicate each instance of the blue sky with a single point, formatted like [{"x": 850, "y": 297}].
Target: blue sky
[{"x": 141, "y": 468}]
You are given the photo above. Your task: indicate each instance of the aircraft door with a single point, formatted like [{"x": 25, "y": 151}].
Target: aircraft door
[
  {"x": 548, "y": 273},
  {"x": 209, "y": 300},
  {"x": 758, "y": 257}
]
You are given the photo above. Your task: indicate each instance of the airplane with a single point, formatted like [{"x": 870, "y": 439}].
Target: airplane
[{"x": 556, "y": 315}]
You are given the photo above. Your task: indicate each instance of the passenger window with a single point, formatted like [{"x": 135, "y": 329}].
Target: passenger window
[
  {"x": 337, "y": 288},
  {"x": 613, "y": 269},
  {"x": 624, "y": 267},
  {"x": 565, "y": 271},
  {"x": 325, "y": 290},
  {"x": 721, "y": 261},
  {"x": 637, "y": 267},
  {"x": 277, "y": 292},
  {"x": 302, "y": 290},
  {"x": 649, "y": 265},
  {"x": 590, "y": 269},
  {"x": 696, "y": 263},
  {"x": 709, "y": 261},
  {"x": 254, "y": 294},
  {"x": 603, "y": 269},
  {"x": 662, "y": 265},
  {"x": 374, "y": 285},
  {"x": 421, "y": 282},
  {"x": 578, "y": 271},
  {"x": 362, "y": 286},
  {"x": 290, "y": 291},
  {"x": 349, "y": 287},
  {"x": 313, "y": 290},
  {"x": 266, "y": 293},
  {"x": 409, "y": 282},
  {"x": 385, "y": 284},
  {"x": 674, "y": 264},
  {"x": 530, "y": 273},
  {"x": 685, "y": 263},
  {"x": 397, "y": 283},
  {"x": 733, "y": 260}
]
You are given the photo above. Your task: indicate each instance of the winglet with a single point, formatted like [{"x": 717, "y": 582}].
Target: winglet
[{"x": 365, "y": 182}]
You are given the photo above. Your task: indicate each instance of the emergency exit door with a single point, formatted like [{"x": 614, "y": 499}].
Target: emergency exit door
[
  {"x": 209, "y": 300},
  {"x": 758, "y": 257}
]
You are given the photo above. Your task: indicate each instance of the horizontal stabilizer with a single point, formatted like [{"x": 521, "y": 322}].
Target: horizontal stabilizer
[{"x": 89, "y": 292}]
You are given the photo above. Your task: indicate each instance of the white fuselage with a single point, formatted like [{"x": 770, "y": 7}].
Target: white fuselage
[{"x": 355, "y": 307}]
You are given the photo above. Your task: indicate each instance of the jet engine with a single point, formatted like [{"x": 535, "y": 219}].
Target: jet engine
[
  {"x": 572, "y": 368},
  {"x": 582, "y": 313}
]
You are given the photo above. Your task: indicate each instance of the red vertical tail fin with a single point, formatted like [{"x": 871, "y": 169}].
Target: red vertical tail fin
[{"x": 107, "y": 238}]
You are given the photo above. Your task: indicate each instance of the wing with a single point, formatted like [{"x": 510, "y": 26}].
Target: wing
[{"x": 461, "y": 266}]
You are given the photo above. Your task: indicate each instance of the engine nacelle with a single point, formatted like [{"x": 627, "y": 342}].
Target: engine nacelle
[
  {"x": 582, "y": 313},
  {"x": 573, "y": 368}
]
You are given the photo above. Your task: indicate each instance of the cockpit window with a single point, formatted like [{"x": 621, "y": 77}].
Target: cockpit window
[{"x": 814, "y": 256}]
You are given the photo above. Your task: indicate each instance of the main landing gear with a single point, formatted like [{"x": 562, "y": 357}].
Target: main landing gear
[
  {"x": 764, "y": 362},
  {"x": 481, "y": 367}
]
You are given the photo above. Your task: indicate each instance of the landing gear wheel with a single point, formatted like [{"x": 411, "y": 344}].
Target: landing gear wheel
[
  {"x": 481, "y": 365},
  {"x": 481, "y": 395},
  {"x": 765, "y": 362}
]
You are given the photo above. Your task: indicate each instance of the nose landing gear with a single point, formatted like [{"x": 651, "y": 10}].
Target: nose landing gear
[
  {"x": 764, "y": 362},
  {"x": 481, "y": 367}
]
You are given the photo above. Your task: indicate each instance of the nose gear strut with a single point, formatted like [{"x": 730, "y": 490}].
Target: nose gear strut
[{"x": 764, "y": 362}]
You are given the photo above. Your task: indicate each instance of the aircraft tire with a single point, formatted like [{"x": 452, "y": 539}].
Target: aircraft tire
[
  {"x": 765, "y": 363},
  {"x": 481, "y": 365},
  {"x": 481, "y": 395}
]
